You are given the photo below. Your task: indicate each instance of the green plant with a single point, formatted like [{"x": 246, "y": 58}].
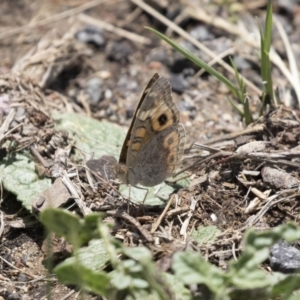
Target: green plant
[
  {"x": 240, "y": 92},
  {"x": 265, "y": 46},
  {"x": 106, "y": 267},
  {"x": 133, "y": 272}
]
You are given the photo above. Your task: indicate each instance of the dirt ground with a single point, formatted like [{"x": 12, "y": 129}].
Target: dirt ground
[{"x": 103, "y": 76}]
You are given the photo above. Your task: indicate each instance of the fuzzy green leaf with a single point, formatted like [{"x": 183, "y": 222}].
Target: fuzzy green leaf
[
  {"x": 94, "y": 256},
  {"x": 77, "y": 231},
  {"x": 205, "y": 234},
  {"x": 93, "y": 138},
  {"x": 19, "y": 177},
  {"x": 286, "y": 286},
  {"x": 191, "y": 268},
  {"x": 245, "y": 272},
  {"x": 83, "y": 277},
  {"x": 150, "y": 196}
]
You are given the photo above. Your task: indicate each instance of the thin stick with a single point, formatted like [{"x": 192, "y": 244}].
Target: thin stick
[
  {"x": 14, "y": 267},
  {"x": 133, "y": 221},
  {"x": 119, "y": 31},
  {"x": 55, "y": 18},
  {"x": 78, "y": 199},
  {"x": 291, "y": 58},
  {"x": 158, "y": 221},
  {"x": 6, "y": 123},
  {"x": 39, "y": 157}
]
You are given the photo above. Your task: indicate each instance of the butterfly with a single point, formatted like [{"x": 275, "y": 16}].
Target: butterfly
[{"x": 153, "y": 147}]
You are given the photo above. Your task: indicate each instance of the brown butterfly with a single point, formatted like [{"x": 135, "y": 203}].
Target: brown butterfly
[{"x": 154, "y": 143}]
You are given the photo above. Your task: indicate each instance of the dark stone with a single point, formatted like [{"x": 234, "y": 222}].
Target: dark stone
[
  {"x": 91, "y": 35},
  {"x": 288, "y": 5},
  {"x": 119, "y": 51},
  {"x": 284, "y": 258},
  {"x": 178, "y": 83}
]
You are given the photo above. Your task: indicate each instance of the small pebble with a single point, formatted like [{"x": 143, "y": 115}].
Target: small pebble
[
  {"x": 178, "y": 83},
  {"x": 22, "y": 277},
  {"x": 201, "y": 33},
  {"x": 94, "y": 89},
  {"x": 91, "y": 35},
  {"x": 119, "y": 51},
  {"x": 284, "y": 258}
]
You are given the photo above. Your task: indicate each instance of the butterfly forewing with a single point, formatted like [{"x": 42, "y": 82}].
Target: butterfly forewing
[{"x": 123, "y": 154}]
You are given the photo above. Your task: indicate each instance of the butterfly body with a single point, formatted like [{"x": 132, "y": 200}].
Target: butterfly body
[{"x": 153, "y": 147}]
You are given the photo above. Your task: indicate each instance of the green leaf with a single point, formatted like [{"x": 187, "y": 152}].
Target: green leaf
[
  {"x": 156, "y": 195},
  {"x": 177, "y": 287},
  {"x": 240, "y": 81},
  {"x": 94, "y": 256},
  {"x": 294, "y": 297},
  {"x": 146, "y": 295},
  {"x": 150, "y": 196},
  {"x": 205, "y": 234},
  {"x": 76, "y": 231},
  {"x": 120, "y": 280},
  {"x": 191, "y": 268},
  {"x": 236, "y": 108},
  {"x": 93, "y": 138},
  {"x": 19, "y": 177},
  {"x": 254, "y": 279},
  {"x": 286, "y": 286},
  {"x": 259, "y": 241},
  {"x": 137, "y": 274},
  {"x": 245, "y": 272},
  {"x": 83, "y": 277},
  {"x": 141, "y": 254}
]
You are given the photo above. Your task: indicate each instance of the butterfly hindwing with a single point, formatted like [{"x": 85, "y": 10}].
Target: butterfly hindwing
[{"x": 159, "y": 159}]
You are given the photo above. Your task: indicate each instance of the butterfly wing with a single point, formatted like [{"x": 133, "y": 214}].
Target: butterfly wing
[
  {"x": 156, "y": 142},
  {"x": 159, "y": 158},
  {"x": 123, "y": 154},
  {"x": 155, "y": 113}
]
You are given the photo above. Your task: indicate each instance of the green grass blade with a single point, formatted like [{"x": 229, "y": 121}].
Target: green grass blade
[
  {"x": 239, "y": 81},
  {"x": 268, "y": 27},
  {"x": 247, "y": 112},
  {"x": 196, "y": 60},
  {"x": 233, "y": 104},
  {"x": 266, "y": 38}
]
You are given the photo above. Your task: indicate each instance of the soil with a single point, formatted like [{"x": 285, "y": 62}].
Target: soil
[{"x": 105, "y": 77}]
